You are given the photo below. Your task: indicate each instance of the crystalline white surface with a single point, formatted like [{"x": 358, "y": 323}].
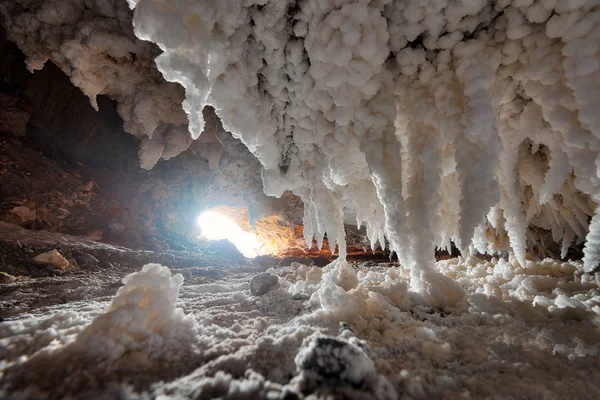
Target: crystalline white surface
[
  {"x": 529, "y": 329},
  {"x": 92, "y": 41},
  {"x": 443, "y": 106},
  {"x": 422, "y": 119}
]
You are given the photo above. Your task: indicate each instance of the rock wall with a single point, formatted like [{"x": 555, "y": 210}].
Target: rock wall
[{"x": 69, "y": 168}]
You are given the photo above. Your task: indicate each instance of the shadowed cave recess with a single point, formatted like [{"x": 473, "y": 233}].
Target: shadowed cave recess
[{"x": 299, "y": 199}]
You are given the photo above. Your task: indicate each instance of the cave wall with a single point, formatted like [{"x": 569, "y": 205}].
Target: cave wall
[
  {"x": 93, "y": 184},
  {"x": 74, "y": 169},
  {"x": 70, "y": 168},
  {"x": 63, "y": 122}
]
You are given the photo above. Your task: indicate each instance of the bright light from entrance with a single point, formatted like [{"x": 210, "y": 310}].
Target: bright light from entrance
[{"x": 216, "y": 226}]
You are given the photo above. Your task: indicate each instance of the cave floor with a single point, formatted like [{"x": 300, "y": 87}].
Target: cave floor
[
  {"x": 98, "y": 270},
  {"x": 518, "y": 333}
]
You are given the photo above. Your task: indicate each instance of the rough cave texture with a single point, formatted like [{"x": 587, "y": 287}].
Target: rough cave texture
[
  {"x": 460, "y": 137},
  {"x": 69, "y": 168},
  {"x": 467, "y": 121},
  {"x": 463, "y": 122}
]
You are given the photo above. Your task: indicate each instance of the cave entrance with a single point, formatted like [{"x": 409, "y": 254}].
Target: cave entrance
[{"x": 216, "y": 225}]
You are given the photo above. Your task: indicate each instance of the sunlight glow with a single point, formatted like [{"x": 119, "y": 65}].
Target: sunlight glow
[{"x": 216, "y": 226}]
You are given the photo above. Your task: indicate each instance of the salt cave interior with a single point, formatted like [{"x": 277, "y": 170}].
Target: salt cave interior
[{"x": 299, "y": 199}]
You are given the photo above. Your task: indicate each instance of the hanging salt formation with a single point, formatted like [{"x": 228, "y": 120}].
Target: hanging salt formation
[
  {"x": 428, "y": 121},
  {"x": 444, "y": 111},
  {"x": 332, "y": 103}
]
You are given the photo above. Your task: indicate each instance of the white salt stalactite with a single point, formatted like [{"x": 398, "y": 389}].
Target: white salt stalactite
[
  {"x": 335, "y": 109},
  {"x": 384, "y": 160},
  {"x": 422, "y": 199},
  {"x": 591, "y": 257},
  {"x": 329, "y": 218},
  {"x": 479, "y": 147},
  {"x": 512, "y": 135}
]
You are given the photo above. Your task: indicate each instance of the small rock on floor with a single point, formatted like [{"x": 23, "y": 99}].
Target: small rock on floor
[
  {"x": 6, "y": 278},
  {"x": 88, "y": 260},
  {"x": 334, "y": 360},
  {"x": 263, "y": 283},
  {"x": 52, "y": 257}
]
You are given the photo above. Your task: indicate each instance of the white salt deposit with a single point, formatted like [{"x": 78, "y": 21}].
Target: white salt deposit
[
  {"x": 529, "y": 331},
  {"x": 428, "y": 121},
  {"x": 431, "y": 122},
  {"x": 395, "y": 113}
]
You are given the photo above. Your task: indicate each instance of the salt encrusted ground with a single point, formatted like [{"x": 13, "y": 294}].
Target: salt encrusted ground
[
  {"x": 518, "y": 333},
  {"x": 431, "y": 122}
]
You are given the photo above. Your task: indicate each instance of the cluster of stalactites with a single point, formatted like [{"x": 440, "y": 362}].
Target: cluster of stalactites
[{"x": 430, "y": 122}]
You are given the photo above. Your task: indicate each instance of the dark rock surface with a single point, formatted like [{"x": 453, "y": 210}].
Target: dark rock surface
[
  {"x": 263, "y": 283},
  {"x": 14, "y": 114},
  {"x": 327, "y": 359}
]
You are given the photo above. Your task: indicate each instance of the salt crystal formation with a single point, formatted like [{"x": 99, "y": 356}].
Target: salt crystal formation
[
  {"x": 93, "y": 43},
  {"x": 428, "y": 121},
  {"x": 358, "y": 333}
]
